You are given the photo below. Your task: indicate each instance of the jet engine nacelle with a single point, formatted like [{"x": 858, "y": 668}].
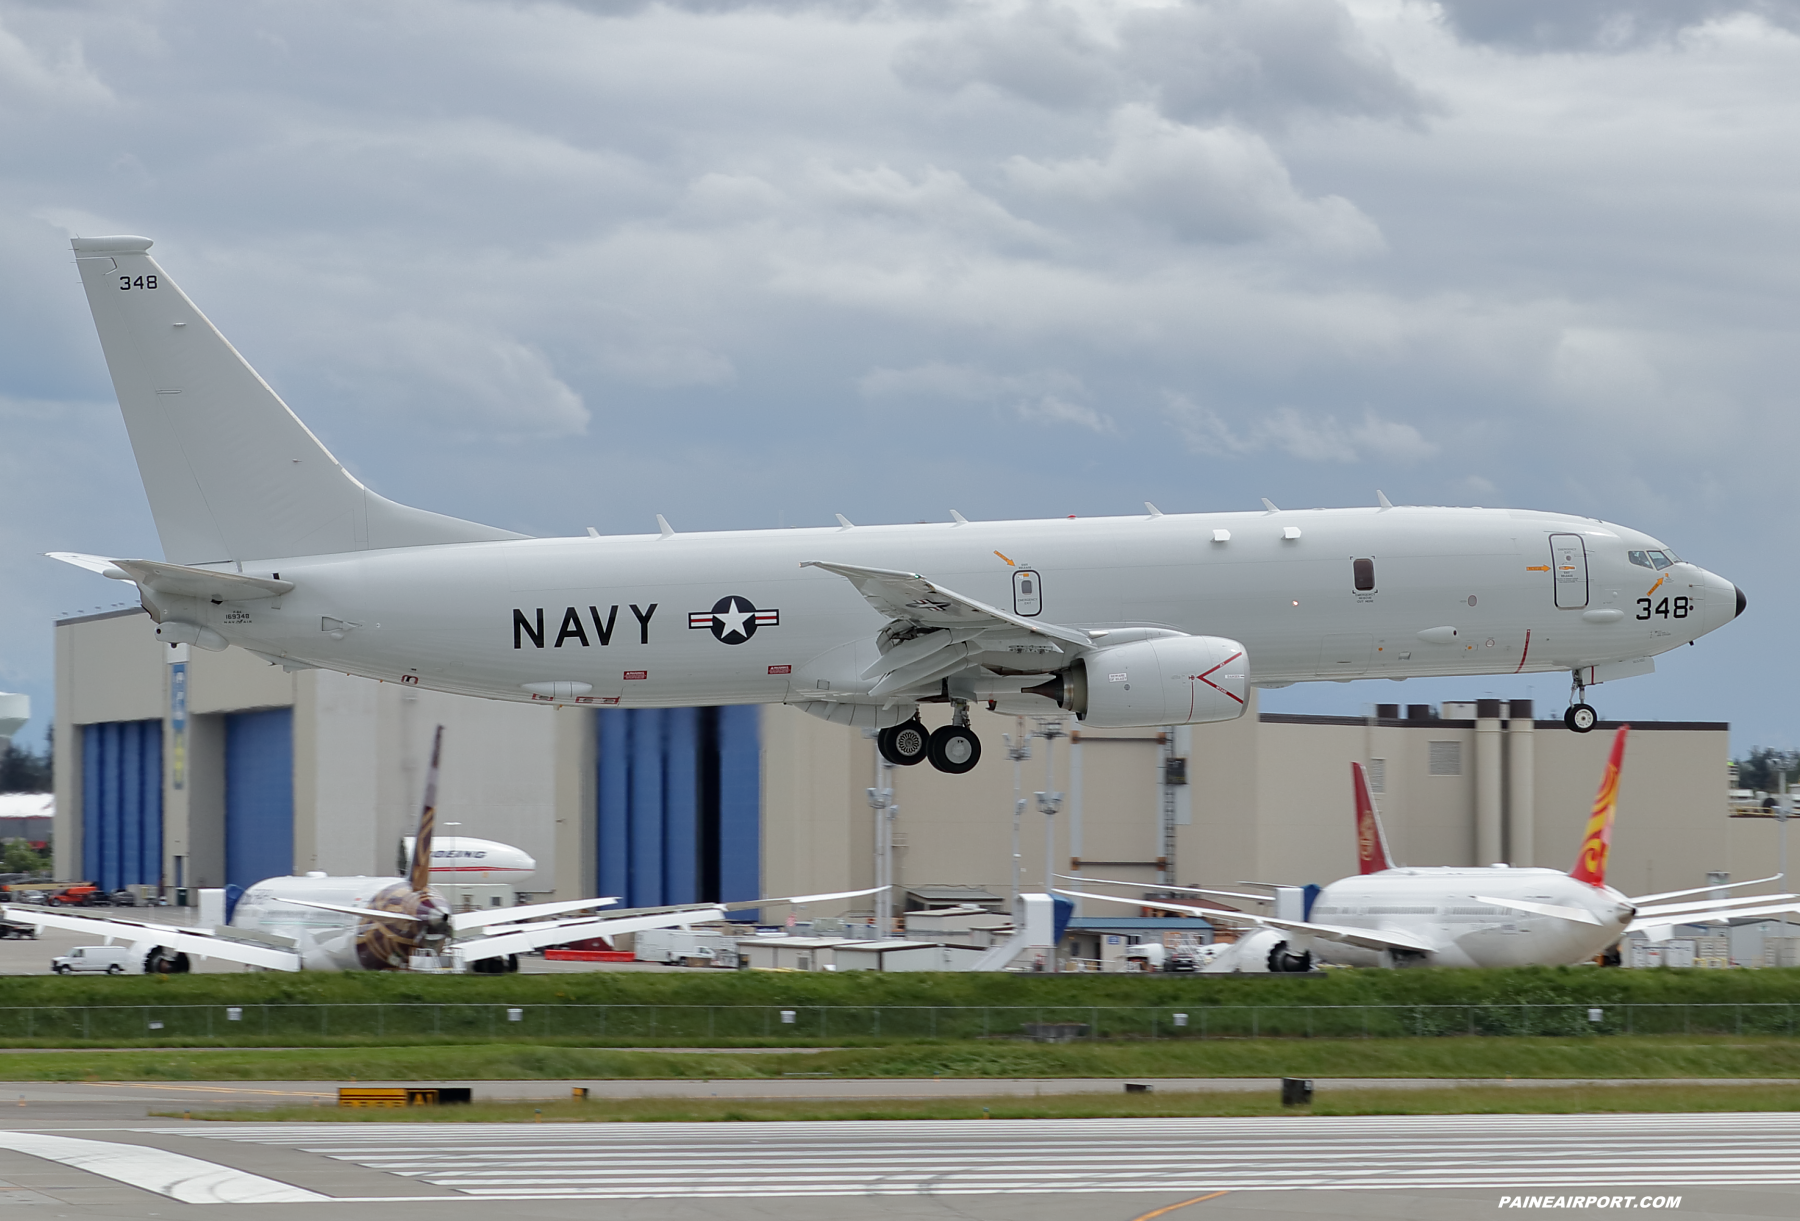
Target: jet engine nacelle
[{"x": 1165, "y": 680}]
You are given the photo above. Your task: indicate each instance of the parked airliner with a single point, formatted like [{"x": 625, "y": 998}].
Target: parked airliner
[
  {"x": 271, "y": 545},
  {"x": 1495, "y": 916},
  {"x": 320, "y": 923}
]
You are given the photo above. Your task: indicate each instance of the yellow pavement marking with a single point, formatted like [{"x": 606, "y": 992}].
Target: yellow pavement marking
[{"x": 1169, "y": 1208}]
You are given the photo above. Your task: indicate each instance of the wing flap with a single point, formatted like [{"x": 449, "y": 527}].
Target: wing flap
[{"x": 916, "y": 599}]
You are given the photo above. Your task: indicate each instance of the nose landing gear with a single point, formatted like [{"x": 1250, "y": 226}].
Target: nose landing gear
[{"x": 1581, "y": 716}]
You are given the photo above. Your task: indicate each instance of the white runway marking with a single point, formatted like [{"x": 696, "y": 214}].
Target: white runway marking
[
  {"x": 176, "y": 1175},
  {"x": 667, "y": 1161}
]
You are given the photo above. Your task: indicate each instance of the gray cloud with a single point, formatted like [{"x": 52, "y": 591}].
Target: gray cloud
[
  {"x": 1262, "y": 62},
  {"x": 552, "y": 265},
  {"x": 1597, "y": 25}
]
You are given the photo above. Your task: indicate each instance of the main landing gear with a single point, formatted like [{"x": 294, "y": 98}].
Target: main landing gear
[
  {"x": 954, "y": 748},
  {"x": 1581, "y": 716}
]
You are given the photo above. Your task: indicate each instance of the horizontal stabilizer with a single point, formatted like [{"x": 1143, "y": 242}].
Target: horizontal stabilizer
[
  {"x": 179, "y": 579},
  {"x": 1555, "y": 911}
]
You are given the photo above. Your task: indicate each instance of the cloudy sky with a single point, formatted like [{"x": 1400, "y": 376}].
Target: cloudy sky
[{"x": 551, "y": 265}]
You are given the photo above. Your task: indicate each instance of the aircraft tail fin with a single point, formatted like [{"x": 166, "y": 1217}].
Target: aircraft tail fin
[
  {"x": 418, "y": 875},
  {"x": 230, "y": 472},
  {"x": 1372, "y": 854},
  {"x": 1596, "y": 845}
]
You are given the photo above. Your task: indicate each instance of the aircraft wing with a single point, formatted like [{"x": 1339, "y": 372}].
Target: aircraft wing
[
  {"x": 1366, "y": 938},
  {"x": 1712, "y": 905},
  {"x": 1701, "y": 890},
  {"x": 197, "y": 943},
  {"x": 1186, "y": 890},
  {"x": 517, "y": 938},
  {"x": 530, "y": 911},
  {"x": 561, "y": 932},
  {"x": 949, "y": 628},
  {"x": 1662, "y": 927}
]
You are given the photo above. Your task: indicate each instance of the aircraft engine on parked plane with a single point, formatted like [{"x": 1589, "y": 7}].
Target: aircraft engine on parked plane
[{"x": 1160, "y": 680}]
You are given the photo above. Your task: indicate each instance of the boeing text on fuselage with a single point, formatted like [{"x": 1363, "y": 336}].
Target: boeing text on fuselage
[{"x": 270, "y": 545}]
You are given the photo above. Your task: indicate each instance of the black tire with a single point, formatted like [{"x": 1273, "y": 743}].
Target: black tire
[
  {"x": 905, "y": 744},
  {"x": 1581, "y": 718},
  {"x": 115, "y": 969},
  {"x": 955, "y": 749},
  {"x": 60, "y": 970}
]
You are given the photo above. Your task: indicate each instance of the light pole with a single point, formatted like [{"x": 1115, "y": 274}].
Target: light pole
[
  {"x": 1018, "y": 749},
  {"x": 1784, "y": 808},
  {"x": 1048, "y": 802},
  {"x": 881, "y": 798}
]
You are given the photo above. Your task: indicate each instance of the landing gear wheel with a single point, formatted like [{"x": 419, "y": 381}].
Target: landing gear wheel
[
  {"x": 904, "y": 744},
  {"x": 1581, "y": 717},
  {"x": 955, "y": 749}
]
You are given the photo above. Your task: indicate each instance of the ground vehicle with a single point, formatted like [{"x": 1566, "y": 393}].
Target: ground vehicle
[
  {"x": 19, "y": 932},
  {"x": 79, "y": 894},
  {"x": 112, "y": 959}
]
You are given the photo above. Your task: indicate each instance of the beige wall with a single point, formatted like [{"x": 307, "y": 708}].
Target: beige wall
[
  {"x": 361, "y": 749},
  {"x": 1267, "y": 799}
]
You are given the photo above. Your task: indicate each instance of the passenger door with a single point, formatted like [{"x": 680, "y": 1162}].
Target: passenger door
[{"x": 1569, "y": 571}]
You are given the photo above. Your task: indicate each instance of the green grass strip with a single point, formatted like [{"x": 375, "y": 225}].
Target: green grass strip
[{"x": 1717, "y": 1056}]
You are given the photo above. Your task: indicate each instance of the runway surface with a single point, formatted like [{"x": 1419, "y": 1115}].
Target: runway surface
[
  {"x": 519, "y": 1161},
  {"x": 1446, "y": 1166}
]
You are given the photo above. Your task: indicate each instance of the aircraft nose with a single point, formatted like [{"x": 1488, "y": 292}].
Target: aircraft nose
[{"x": 1741, "y": 601}]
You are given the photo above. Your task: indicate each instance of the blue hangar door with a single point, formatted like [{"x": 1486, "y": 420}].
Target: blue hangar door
[
  {"x": 121, "y": 803},
  {"x": 259, "y": 796},
  {"x": 679, "y": 809}
]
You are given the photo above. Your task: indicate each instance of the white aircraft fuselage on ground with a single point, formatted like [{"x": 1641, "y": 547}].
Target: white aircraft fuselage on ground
[
  {"x": 1135, "y": 621},
  {"x": 1444, "y": 907},
  {"x": 1492, "y": 916}
]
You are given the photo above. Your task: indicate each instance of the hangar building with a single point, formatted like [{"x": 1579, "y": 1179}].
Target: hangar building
[{"x": 182, "y": 770}]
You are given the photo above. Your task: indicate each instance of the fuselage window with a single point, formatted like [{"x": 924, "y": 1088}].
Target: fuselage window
[
  {"x": 1640, "y": 558},
  {"x": 1364, "y": 572}
]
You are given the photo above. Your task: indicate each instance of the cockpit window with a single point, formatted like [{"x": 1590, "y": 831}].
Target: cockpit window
[
  {"x": 1660, "y": 559},
  {"x": 1640, "y": 558},
  {"x": 1657, "y": 560}
]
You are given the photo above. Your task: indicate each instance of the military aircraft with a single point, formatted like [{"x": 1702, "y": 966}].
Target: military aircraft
[
  {"x": 320, "y": 923},
  {"x": 1160, "y": 619},
  {"x": 1495, "y": 916}
]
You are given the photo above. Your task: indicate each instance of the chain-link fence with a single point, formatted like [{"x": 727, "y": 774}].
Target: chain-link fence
[{"x": 811, "y": 1025}]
